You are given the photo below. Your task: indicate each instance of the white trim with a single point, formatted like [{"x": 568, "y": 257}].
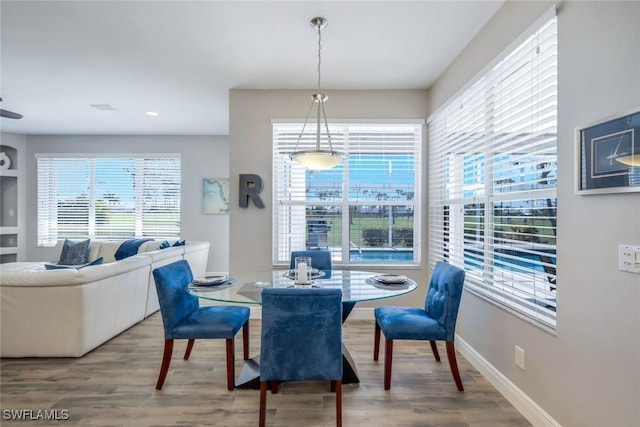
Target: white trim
[{"x": 523, "y": 403}]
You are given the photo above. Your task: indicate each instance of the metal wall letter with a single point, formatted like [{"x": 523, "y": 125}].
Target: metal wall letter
[{"x": 250, "y": 186}]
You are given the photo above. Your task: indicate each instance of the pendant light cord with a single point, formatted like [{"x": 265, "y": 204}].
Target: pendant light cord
[
  {"x": 319, "y": 55},
  {"x": 318, "y": 98}
]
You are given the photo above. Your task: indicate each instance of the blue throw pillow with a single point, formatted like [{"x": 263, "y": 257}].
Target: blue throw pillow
[
  {"x": 74, "y": 253},
  {"x": 98, "y": 261},
  {"x": 179, "y": 243},
  {"x": 129, "y": 248},
  {"x": 164, "y": 245},
  {"x": 60, "y": 266}
]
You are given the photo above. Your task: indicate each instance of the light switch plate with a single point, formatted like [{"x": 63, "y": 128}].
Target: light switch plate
[{"x": 629, "y": 258}]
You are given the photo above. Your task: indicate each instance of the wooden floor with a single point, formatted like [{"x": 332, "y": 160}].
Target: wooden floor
[{"x": 114, "y": 385}]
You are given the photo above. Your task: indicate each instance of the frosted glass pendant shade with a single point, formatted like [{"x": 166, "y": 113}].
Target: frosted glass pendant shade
[{"x": 317, "y": 159}]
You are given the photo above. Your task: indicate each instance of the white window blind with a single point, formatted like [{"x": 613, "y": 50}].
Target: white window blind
[
  {"x": 492, "y": 179},
  {"x": 365, "y": 210},
  {"x": 108, "y": 197}
]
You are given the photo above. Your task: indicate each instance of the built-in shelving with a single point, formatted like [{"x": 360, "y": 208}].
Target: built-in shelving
[
  {"x": 9, "y": 172},
  {"x": 9, "y": 230}
]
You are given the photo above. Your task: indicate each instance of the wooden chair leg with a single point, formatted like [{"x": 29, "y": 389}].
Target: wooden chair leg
[
  {"x": 263, "y": 403},
  {"x": 274, "y": 386},
  {"x": 333, "y": 386},
  {"x": 388, "y": 358},
  {"x": 187, "y": 352},
  {"x": 453, "y": 364},
  {"x": 338, "y": 386},
  {"x": 230, "y": 364},
  {"x": 166, "y": 361},
  {"x": 245, "y": 341},
  {"x": 434, "y": 348},
  {"x": 376, "y": 343}
]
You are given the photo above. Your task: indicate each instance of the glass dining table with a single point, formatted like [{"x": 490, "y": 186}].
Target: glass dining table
[{"x": 246, "y": 288}]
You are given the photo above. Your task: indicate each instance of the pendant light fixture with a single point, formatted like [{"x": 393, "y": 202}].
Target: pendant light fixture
[{"x": 317, "y": 158}]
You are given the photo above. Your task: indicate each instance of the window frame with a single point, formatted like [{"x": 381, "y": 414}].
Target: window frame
[
  {"x": 136, "y": 189},
  {"x": 452, "y": 237},
  {"x": 340, "y": 139}
]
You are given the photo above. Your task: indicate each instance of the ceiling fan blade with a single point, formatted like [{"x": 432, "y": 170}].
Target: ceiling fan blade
[{"x": 9, "y": 114}]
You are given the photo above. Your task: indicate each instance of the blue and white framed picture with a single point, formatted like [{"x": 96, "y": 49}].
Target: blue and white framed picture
[
  {"x": 608, "y": 155},
  {"x": 215, "y": 196}
]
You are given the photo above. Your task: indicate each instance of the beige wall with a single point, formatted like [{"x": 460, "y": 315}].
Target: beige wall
[
  {"x": 202, "y": 157},
  {"x": 589, "y": 373},
  {"x": 250, "y": 147}
]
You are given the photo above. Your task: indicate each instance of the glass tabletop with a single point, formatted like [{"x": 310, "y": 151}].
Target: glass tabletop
[{"x": 246, "y": 288}]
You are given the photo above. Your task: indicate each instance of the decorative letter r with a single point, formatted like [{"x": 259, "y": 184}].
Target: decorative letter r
[{"x": 250, "y": 186}]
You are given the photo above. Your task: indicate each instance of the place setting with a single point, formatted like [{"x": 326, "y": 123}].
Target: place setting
[
  {"x": 218, "y": 282},
  {"x": 389, "y": 281},
  {"x": 314, "y": 274}
]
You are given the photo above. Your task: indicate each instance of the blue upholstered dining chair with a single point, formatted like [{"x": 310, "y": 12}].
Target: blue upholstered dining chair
[
  {"x": 436, "y": 322},
  {"x": 301, "y": 340},
  {"x": 183, "y": 318},
  {"x": 320, "y": 259}
]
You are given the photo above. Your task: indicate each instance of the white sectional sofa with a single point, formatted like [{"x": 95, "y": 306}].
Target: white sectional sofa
[{"x": 68, "y": 312}]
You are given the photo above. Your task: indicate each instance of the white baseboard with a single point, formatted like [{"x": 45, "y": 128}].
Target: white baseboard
[{"x": 523, "y": 403}]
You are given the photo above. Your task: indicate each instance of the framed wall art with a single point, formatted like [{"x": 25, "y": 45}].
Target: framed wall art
[
  {"x": 215, "y": 195},
  {"x": 608, "y": 155}
]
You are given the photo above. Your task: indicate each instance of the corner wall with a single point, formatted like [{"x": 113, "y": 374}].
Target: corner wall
[
  {"x": 202, "y": 157},
  {"x": 250, "y": 133},
  {"x": 588, "y": 374}
]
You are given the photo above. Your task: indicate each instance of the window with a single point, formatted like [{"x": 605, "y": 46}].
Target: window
[
  {"x": 365, "y": 210},
  {"x": 492, "y": 179},
  {"x": 113, "y": 197}
]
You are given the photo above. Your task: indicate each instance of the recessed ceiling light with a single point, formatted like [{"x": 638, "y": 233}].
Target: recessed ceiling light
[{"x": 152, "y": 114}]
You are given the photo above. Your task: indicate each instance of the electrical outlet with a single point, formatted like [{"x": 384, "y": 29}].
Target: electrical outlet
[
  {"x": 520, "y": 358},
  {"x": 629, "y": 258}
]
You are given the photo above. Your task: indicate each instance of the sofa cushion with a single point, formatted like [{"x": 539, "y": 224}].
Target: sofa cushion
[
  {"x": 180, "y": 243},
  {"x": 107, "y": 250},
  {"x": 97, "y": 261},
  {"x": 74, "y": 253}
]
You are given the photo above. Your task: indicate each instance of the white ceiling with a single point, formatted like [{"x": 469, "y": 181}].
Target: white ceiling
[{"x": 180, "y": 58}]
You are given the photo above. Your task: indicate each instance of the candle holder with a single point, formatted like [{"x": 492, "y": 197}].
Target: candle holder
[{"x": 303, "y": 270}]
